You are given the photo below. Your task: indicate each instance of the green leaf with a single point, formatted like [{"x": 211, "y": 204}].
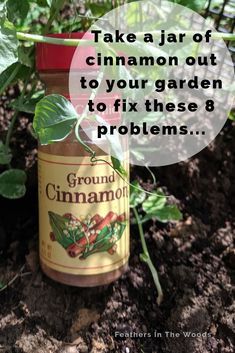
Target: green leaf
[
  {"x": 25, "y": 56},
  {"x": 17, "y": 9},
  {"x": 168, "y": 213},
  {"x": 137, "y": 196},
  {"x": 59, "y": 224},
  {"x": 117, "y": 165},
  {"x": 12, "y": 183},
  {"x": 54, "y": 118},
  {"x": 29, "y": 106},
  {"x": 11, "y": 75},
  {"x": 5, "y": 154},
  {"x": 20, "y": 74},
  {"x": 154, "y": 203},
  {"x": 8, "y": 45}
]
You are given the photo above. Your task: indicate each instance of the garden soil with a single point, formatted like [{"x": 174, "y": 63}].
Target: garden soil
[{"x": 195, "y": 259}]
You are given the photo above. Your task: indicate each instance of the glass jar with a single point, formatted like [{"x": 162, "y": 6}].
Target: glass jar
[{"x": 83, "y": 206}]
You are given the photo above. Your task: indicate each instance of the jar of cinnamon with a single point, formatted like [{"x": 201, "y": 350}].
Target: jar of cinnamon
[{"x": 83, "y": 205}]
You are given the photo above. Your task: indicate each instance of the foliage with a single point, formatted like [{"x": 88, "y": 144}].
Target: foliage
[
  {"x": 154, "y": 206},
  {"x": 8, "y": 44},
  {"x": 54, "y": 119},
  {"x": 12, "y": 183}
]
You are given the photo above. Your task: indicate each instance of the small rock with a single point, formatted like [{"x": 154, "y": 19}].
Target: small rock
[
  {"x": 115, "y": 305},
  {"x": 83, "y": 349}
]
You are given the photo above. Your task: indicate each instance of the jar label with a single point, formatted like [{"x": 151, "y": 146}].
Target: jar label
[{"x": 83, "y": 215}]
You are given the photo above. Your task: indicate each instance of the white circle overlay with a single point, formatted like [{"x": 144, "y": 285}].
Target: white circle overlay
[{"x": 161, "y": 82}]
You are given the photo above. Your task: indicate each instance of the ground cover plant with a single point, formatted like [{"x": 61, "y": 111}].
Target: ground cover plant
[{"x": 184, "y": 256}]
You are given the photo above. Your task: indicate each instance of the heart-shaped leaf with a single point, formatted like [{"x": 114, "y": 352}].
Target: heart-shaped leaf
[
  {"x": 12, "y": 183},
  {"x": 8, "y": 45},
  {"x": 169, "y": 213},
  {"x": 54, "y": 119}
]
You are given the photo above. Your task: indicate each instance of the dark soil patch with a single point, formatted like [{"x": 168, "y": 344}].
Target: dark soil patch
[{"x": 195, "y": 259}]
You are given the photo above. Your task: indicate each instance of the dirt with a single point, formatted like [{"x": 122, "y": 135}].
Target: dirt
[{"x": 195, "y": 259}]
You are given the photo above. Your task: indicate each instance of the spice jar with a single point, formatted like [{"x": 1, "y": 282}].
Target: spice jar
[{"x": 83, "y": 206}]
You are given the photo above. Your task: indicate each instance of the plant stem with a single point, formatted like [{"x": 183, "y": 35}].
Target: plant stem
[
  {"x": 146, "y": 258},
  {"x": 75, "y": 42},
  {"x": 9, "y": 131},
  {"x": 37, "y": 38}
]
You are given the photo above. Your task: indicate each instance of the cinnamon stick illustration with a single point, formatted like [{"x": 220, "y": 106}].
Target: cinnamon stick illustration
[
  {"x": 121, "y": 217},
  {"x": 96, "y": 219},
  {"x": 77, "y": 248},
  {"x": 88, "y": 236},
  {"x": 110, "y": 218}
]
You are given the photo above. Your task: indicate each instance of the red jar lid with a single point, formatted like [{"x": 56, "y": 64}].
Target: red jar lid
[{"x": 54, "y": 57}]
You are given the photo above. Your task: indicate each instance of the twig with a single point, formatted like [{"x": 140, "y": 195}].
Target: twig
[{"x": 19, "y": 274}]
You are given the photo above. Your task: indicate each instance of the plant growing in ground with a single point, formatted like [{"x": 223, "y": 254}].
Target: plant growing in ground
[{"x": 154, "y": 206}]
